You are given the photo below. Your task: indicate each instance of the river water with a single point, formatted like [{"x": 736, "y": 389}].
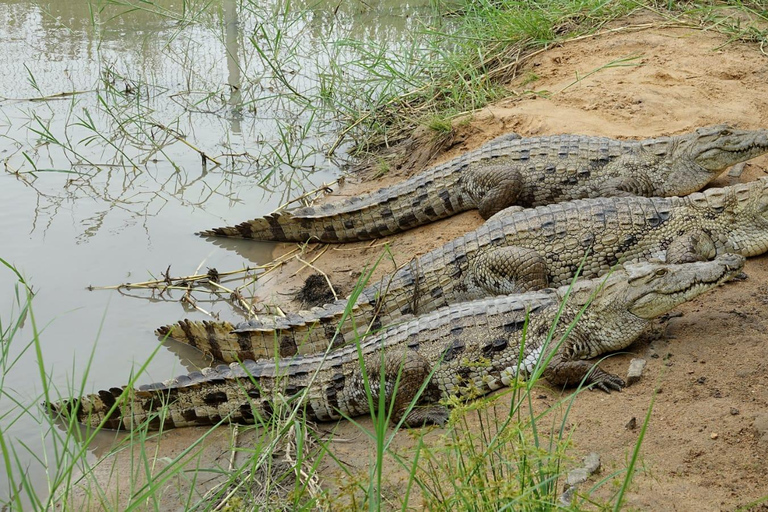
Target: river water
[{"x": 104, "y": 110}]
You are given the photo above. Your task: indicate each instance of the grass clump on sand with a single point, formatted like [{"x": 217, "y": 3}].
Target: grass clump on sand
[{"x": 485, "y": 45}]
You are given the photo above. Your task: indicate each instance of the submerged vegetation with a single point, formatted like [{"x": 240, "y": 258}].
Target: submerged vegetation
[{"x": 347, "y": 93}]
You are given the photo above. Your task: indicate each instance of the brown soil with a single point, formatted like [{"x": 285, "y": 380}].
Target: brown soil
[{"x": 706, "y": 447}]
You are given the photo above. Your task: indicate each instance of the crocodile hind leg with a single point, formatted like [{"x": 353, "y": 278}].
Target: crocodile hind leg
[
  {"x": 694, "y": 246},
  {"x": 405, "y": 371},
  {"x": 427, "y": 411},
  {"x": 505, "y": 270},
  {"x": 626, "y": 186},
  {"x": 494, "y": 187}
]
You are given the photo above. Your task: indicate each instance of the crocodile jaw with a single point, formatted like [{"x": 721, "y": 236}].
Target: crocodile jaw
[
  {"x": 715, "y": 148},
  {"x": 654, "y": 289}
]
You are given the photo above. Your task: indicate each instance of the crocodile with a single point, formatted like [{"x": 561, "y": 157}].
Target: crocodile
[
  {"x": 464, "y": 350},
  {"x": 526, "y": 172},
  {"x": 521, "y": 251}
]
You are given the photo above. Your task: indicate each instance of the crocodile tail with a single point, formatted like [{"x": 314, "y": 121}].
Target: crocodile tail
[
  {"x": 277, "y": 227},
  {"x": 308, "y": 332},
  {"x": 251, "y": 340},
  {"x": 366, "y": 224},
  {"x": 425, "y": 198},
  {"x": 128, "y": 409},
  {"x": 206, "y": 336},
  {"x": 207, "y": 397},
  {"x": 92, "y": 410}
]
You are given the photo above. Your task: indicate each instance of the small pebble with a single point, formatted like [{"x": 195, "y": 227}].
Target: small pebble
[
  {"x": 631, "y": 424},
  {"x": 737, "y": 169},
  {"x": 579, "y": 476},
  {"x": 576, "y": 477},
  {"x": 636, "y": 366},
  {"x": 734, "y": 411},
  {"x": 713, "y": 435},
  {"x": 592, "y": 462}
]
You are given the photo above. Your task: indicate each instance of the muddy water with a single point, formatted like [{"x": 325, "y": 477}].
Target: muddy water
[{"x": 99, "y": 187}]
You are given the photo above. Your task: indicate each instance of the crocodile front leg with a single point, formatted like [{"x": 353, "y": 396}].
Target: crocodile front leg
[
  {"x": 639, "y": 185},
  {"x": 505, "y": 270},
  {"x": 695, "y": 245},
  {"x": 565, "y": 372}
]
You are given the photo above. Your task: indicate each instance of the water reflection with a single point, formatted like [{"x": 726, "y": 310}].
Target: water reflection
[
  {"x": 105, "y": 113},
  {"x": 233, "y": 62},
  {"x": 250, "y": 250},
  {"x": 156, "y": 109}
]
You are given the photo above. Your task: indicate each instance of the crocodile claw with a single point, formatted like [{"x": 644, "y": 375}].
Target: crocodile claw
[
  {"x": 427, "y": 415},
  {"x": 607, "y": 381}
]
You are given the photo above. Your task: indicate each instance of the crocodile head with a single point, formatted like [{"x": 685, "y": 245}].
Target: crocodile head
[
  {"x": 715, "y": 148},
  {"x": 647, "y": 290},
  {"x": 653, "y": 289},
  {"x": 692, "y": 160}
]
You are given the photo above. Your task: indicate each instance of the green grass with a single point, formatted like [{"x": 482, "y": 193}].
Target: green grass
[{"x": 472, "y": 61}]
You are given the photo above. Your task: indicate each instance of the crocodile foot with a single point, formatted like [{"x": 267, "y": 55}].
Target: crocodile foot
[
  {"x": 420, "y": 416},
  {"x": 606, "y": 381}
]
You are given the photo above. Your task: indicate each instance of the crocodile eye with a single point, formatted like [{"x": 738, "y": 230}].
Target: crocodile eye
[{"x": 661, "y": 272}]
